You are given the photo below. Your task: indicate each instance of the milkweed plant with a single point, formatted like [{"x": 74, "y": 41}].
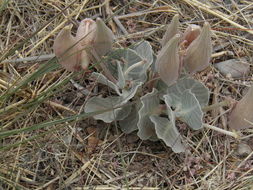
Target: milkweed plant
[{"x": 163, "y": 83}]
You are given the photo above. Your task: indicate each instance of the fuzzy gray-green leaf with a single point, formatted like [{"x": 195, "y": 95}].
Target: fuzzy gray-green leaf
[
  {"x": 196, "y": 87},
  {"x": 129, "y": 124},
  {"x": 149, "y": 106},
  {"x": 103, "y": 80},
  {"x": 130, "y": 58},
  {"x": 99, "y": 103},
  {"x": 187, "y": 109},
  {"x": 127, "y": 94},
  {"x": 167, "y": 131},
  {"x": 144, "y": 49}
]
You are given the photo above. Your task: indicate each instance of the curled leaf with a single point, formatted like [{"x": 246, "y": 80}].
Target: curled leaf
[
  {"x": 198, "y": 54},
  {"x": 130, "y": 58},
  {"x": 242, "y": 112},
  {"x": 167, "y": 62},
  {"x": 167, "y": 131},
  {"x": 190, "y": 111},
  {"x": 172, "y": 30},
  {"x": 85, "y": 36},
  {"x": 149, "y": 106},
  {"x": 103, "y": 80},
  {"x": 86, "y": 32},
  {"x": 190, "y": 34},
  {"x": 66, "y": 49}
]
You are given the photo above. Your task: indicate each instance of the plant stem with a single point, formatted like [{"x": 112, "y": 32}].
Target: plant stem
[
  {"x": 232, "y": 134},
  {"x": 214, "y": 106},
  {"x": 142, "y": 62}
]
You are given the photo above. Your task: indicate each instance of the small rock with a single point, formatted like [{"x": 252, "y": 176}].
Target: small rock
[
  {"x": 233, "y": 67},
  {"x": 243, "y": 150},
  {"x": 132, "y": 138}
]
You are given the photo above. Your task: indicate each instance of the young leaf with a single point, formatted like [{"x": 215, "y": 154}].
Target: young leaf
[
  {"x": 197, "y": 88},
  {"x": 167, "y": 62},
  {"x": 85, "y": 36},
  {"x": 242, "y": 112},
  {"x": 172, "y": 30},
  {"x": 126, "y": 94},
  {"x": 137, "y": 71},
  {"x": 149, "y": 106},
  {"x": 145, "y": 51},
  {"x": 130, "y": 58},
  {"x": 199, "y": 52},
  {"x": 167, "y": 131},
  {"x": 66, "y": 49},
  {"x": 86, "y": 32}
]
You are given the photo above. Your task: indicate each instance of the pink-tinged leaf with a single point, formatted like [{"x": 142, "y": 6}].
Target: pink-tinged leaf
[
  {"x": 190, "y": 34},
  {"x": 168, "y": 63},
  {"x": 172, "y": 30},
  {"x": 103, "y": 39},
  {"x": 86, "y": 32},
  {"x": 85, "y": 36},
  {"x": 241, "y": 112},
  {"x": 66, "y": 50},
  {"x": 199, "y": 52}
]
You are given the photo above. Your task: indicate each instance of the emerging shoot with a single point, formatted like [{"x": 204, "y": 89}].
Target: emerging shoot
[{"x": 198, "y": 54}]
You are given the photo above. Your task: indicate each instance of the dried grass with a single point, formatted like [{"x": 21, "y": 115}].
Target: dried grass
[{"x": 62, "y": 155}]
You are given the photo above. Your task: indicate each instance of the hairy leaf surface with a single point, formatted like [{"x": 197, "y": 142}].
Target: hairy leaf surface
[
  {"x": 187, "y": 109},
  {"x": 167, "y": 131},
  {"x": 99, "y": 103},
  {"x": 196, "y": 87},
  {"x": 149, "y": 106}
]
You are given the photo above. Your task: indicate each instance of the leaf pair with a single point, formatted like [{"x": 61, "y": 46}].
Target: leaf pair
[
  {"x": 134, "y": 62},
  {"x": 92, "y": 41},
  {"x": 183, "y": 101},
  {"x": 197, "y": 54}
]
